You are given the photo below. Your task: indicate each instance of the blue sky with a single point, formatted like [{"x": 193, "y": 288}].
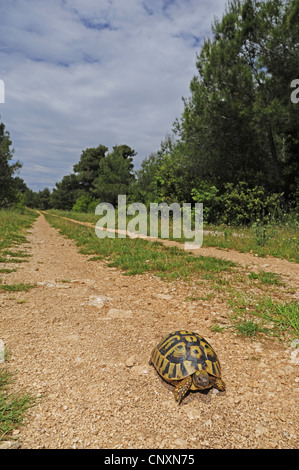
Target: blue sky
[{"x": 82, "y": 73}]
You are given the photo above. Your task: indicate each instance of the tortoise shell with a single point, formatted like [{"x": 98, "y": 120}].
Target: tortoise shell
[{"x": 182, "y": 353}]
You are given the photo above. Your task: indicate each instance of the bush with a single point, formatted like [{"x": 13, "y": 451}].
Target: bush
[
  {"x": 237, "y": 204},
  {"x": 82, "y": 203},
  {"x": 241, "y": 205},
  {"x": 207, "y": 195}
]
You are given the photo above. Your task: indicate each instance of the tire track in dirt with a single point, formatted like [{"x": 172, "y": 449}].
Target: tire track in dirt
[{"x": 90, "y": 362}]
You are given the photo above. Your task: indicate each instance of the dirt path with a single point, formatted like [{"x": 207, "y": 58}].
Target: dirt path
[{"x": 89, "y": 359}]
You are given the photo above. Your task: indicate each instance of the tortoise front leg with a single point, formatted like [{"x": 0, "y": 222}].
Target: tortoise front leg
[
  {"x": 217, "y": 383},
  {"x": 182, "y": 388}
]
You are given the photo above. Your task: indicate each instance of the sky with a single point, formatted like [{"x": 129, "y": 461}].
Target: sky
[{"x": 80, "y": 73}]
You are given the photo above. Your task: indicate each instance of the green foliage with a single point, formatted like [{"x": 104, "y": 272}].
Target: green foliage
[
  {"x": 265, "y": 277},
  {"x": 238, "y": 205},
  {"x": 88, "y": 168},
  {"x": 44, "y": 198},
  {"x": 8, "y": 185},
  {"x": 82, "y": 203},
  {"x": 13, "y": 405},
  {"x": 242, "y": 205},
  {"x": 239, "y": 123},
  {"x": 284, "y": 315},
  {"x": 249, "y": 328},
  {"x": 115, "y": 174},
  {"x": 260, "y": 231},
  {"x": 13, "y": 224},
  {"x": 66, "y": 193},
  {"x": 169, "y": 180},
  {"x": 206, "y": 194},
  {"x": 16, "y": 287},
  {"x": 144, "y": 188}
]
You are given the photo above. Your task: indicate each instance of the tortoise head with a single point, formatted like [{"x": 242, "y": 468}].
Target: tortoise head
[{"x": 201, "y": 380}]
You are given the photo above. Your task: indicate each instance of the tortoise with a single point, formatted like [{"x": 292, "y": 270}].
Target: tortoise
[{"x": 187, "y": 361}]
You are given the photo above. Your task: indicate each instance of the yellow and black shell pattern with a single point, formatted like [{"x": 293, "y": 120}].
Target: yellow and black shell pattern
[{"x": 182, "y": 353}]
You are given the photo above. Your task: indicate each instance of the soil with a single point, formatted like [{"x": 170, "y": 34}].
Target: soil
[{"x": 82, "y": 339}]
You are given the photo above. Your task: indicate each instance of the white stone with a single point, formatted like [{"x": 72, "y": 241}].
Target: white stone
[
  {"x": 119, "y": 313},
  {"x": 98, "y": 300},
  {"x": 139, "y": 370},
  {"x": 164, "y": 296},
  {"x": 130, "y": 362}
]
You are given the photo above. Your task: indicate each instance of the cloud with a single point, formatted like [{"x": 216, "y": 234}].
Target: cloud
[{"x": 79, "y": 74}]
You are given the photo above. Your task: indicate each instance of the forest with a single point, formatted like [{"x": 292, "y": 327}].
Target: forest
[{"x": 235, "y": 148}]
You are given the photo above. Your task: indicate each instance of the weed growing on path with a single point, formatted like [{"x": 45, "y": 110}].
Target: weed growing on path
[
  {"x": 16, "y": 287},
  {"x": 13, "y": 405}
]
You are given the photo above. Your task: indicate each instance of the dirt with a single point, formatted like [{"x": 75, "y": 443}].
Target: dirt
[{"x": 81, "y": 341}]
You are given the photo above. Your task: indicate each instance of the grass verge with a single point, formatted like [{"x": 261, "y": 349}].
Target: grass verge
[
  {"x": 278, "y": 240},
  {"x": 136, "y": 256},
  {"x": 13, "y": 226}
]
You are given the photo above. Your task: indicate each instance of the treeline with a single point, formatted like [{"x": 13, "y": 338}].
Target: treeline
[{"x": 236, "y": 146}]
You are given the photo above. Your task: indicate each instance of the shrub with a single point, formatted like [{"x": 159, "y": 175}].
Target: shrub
[
  {"x": 207, "y": 195},
  {"x": 82, "y": 203},
  {"x": 237, "y": 204},
  {"x": 242, "y": 205}
]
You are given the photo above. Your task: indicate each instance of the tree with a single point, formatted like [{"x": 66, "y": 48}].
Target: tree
[
  {"x": 171, "y": 177},
  {"x": 115, "y": 174},
  {"x": 144, "y": 189},
  {"x": 8, "y": 187},
  {"x": 31, "y": 199},
  {"x": 44, "y": 199},
  {"x": 239, "y": 123},
  {"x": 88, "y": 166},
  {"x": 66, "y": 192},
  {"x": 20, "y": 185}
]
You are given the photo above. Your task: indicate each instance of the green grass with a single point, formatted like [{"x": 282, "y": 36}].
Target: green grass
[
  {"x": 13, "y": 226},
  {"x": 136, "y": 256},
  {"x": 280, "y": 240},
  {"x": 265, "y": 277},
  {"x": 13, "y": 405},
  {"x": 7, "y": 271},
  {"x": 249, "y": 328},
  {"x": 283, "y": 315},
  {"x": 80, "y": 216},
  {"x": 253, "y": 313},
  {"x": 16, "y": 287}
]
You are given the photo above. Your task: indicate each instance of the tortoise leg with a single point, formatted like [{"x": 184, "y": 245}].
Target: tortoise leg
[
  {"x": 217, "y": 383},
  {"x": 182, "y": 388}
]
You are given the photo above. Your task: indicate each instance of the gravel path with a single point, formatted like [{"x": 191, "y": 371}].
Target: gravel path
[{"x": 83, "y": 337}]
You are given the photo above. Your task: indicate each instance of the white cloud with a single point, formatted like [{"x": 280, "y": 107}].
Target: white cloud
[{"x": 78, "y": 74}]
